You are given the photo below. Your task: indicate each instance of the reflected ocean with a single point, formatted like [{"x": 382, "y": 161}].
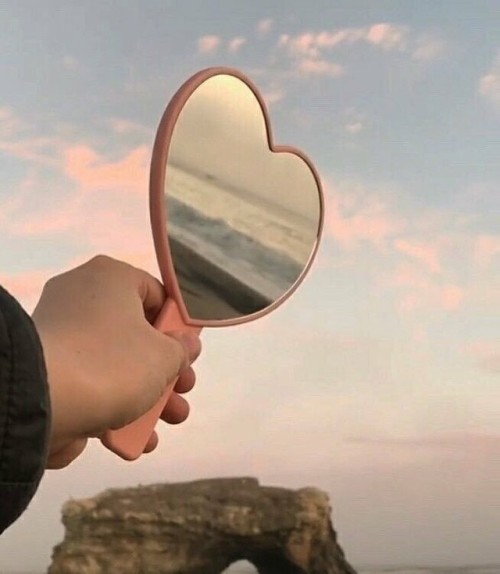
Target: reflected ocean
[
  {"x": 267, "y": 225},
  {"x": 261, "y": 245}
]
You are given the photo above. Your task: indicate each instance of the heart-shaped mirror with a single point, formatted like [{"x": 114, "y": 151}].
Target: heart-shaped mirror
[{"x": 236, "y": 219}]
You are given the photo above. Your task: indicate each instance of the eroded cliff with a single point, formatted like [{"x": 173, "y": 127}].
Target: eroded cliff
[{"x": 200, "y": 527}]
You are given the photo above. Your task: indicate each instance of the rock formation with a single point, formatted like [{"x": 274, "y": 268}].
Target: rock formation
[{"x": 200, "y": 527}]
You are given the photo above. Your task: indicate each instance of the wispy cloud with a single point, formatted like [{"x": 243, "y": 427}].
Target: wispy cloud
[
  {"x": 486, "y": 354},
  {"x": 313, "y": 50},
  {"x": 486, "y": 249},
  {"x": 387, "y": 36},
  {"x": 265, "y": 26},
  {"x": 355, "y": 216},
  {"x": 426, "y": 253},
  {"x": 71, "y": 63},
  {"x": 489, "y": 84},
  {"x": 93, "y": 173},
  {"x": 235, "y": 44},
  {"x": 418, "y": 291},
  {"x": 273, "y": 95},
  {"x": 317, "y": 67},
  {"x": 311, "y": 44},
  {"x": 18, "y": 140},
  {"x": 420, "y": 259},
  {"x": 208, "y": 44},
  {"x": 428, "y": 47},
  {"x": 124, "y": 126},
  {"x": 354, "y": 122},
  {"x": 96, "y": 203}
]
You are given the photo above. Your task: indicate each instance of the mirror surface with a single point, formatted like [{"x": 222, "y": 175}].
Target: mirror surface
[{"x": 242, "y": 221}]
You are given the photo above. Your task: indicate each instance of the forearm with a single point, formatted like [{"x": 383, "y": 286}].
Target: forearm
[{"x": 24, "y": 410}]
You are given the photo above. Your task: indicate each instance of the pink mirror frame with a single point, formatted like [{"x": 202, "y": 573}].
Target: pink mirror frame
[{"x": 159, "y": 217}]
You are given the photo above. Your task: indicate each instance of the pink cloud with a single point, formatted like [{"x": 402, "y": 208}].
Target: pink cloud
[
  {"x": 208, "y": 44},
  {"x": 93, "y": 173},
  {"x": 486, "y": 248},
  {"x": 344, "y": 36},
  {"x": 235, "y": 44},
  {"x": 355, "y": 121},
  {"x": 489, "y": 84},
  {"x": 311, "y": 44},
  {"x": 273, "y": 95},
  {"x": 265, "y": 26},
  {"x": 123, "y": 126},
  {"x": 309, "y": 50},
  {"x": 354, "y": 127},
  {"x": 125, "y": 181},
  {"x": 368, "y": 220},
  {"x": 451, "y": 297},
  {"x": 428, "y": 47},
  {"x": 425, "y": 253},
  {"x": 407, "y": 275},
  {"x": 16, "y": 141},
  {"x": 418, "y": 289},
  {"x": 387, "y": 36},
  {"x": 305, "y": 45},
  {"x": 309, "y": 66},
  {"x": 106, "y": 212}
]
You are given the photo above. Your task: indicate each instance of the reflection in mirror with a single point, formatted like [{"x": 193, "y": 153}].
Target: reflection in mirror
[{"x": 242, "y": 221}]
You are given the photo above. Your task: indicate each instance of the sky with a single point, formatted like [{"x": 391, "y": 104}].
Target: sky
[{"x": 378, "y": 381}]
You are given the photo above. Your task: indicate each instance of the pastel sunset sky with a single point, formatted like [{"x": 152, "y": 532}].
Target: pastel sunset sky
[{"x": 378, "y": 381}]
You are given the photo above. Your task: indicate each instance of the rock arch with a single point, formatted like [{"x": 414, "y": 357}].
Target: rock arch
[{"x": 200, "y": 527}]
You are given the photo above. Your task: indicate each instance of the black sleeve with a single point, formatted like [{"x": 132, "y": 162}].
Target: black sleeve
[{"x": 24, "y": 410}]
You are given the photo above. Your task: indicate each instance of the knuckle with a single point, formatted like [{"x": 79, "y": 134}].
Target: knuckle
[{"x": 100, "y": 260}]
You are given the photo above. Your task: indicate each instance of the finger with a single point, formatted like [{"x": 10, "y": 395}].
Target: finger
[
  {"x": 176, "y": 411},
  {"x": 185, "y": 382},
  {"x": 152, "y": 293},
  {"x": 171, "y": 356},
  {"x": 190, "y": 341},
  {"x": 66, "y": 455},
  {"x": 152, "y": 443}
]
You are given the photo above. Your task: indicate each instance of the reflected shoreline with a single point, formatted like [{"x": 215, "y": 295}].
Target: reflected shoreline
[{"x": 208, "y": 290}]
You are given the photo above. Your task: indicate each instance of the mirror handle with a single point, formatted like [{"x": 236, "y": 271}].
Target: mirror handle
[{"x": 130, "y": 441}]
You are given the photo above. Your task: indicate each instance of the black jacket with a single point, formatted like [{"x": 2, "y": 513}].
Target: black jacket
[{"x": 24, "y": 410}]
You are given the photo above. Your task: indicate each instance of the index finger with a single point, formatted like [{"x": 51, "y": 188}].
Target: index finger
[{"x": 153, "y": 295}]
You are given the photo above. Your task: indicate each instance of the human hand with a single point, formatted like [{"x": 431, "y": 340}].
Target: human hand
[{"x": 107, "y": 365}]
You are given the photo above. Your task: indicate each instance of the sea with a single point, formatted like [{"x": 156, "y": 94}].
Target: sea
[
  {"x": 479, "y": 569},
  {"x": 484, "y": 569}
]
